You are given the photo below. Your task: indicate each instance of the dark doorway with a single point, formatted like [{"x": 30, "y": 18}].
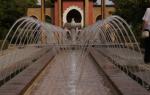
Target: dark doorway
[
  {"x": 34, "y": 17},
  {"x": 74, "y": 14},
  {"x": 99, "y": 17}
]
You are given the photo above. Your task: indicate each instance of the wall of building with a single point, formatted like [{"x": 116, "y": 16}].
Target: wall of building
[
  {"x": 97, "y": 11},
  {"x": 36, "y": 12},
  {"x": 67, "y": 4},
  {"x": 56, "y": 13},
  {"x": 109, "y": 11},
  {"x": 90, "y": 17}
]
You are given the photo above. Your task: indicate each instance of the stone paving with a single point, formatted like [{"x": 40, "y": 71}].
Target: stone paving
[{"x": 63, "y": 78}]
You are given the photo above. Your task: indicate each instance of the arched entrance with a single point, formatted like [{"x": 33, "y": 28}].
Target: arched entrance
[
  {"x": 34, "y": 17},
  {"x": 75, "y": 13},
  {"x": 99, "y": 17}
]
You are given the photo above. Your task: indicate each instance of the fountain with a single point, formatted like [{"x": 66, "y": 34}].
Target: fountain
[{"x": 112, "y": 37}]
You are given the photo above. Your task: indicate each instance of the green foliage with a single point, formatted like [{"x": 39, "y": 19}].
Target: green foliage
[
  {"x": 26, "y": 3},
  {"x": 49, "y": 3},
  {"x": 132, "y": 11},
  {"x": 5, "y": 46},
  {"x": 94, "y": 1},
  {"x": 10, "y": 11}
]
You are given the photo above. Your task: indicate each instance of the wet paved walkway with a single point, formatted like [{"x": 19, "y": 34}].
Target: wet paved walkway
[{"x": 63, "y": 78}]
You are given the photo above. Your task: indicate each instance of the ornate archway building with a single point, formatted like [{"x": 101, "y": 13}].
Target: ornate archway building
[{"x": 82, "y": 11}]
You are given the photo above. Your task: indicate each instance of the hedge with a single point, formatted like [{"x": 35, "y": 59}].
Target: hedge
[{"x": 5, "y": 45}]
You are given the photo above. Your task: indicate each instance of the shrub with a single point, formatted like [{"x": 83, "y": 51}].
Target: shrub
[{"x": 5, "y": 45}]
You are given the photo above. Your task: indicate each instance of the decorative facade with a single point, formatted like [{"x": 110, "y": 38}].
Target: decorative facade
[{"x": 85, "y": 12}]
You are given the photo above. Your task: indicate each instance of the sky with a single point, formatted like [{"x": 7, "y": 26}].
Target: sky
[
  {"x": 108, "y": 2},
  {"x": 39, "y": 2}
]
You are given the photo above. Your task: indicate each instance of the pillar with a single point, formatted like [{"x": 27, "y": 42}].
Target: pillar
[
  {"x": 43, "y": 36},
  {"x": 43, "y": 10},
  {"x": 60, "y": 12},
  {"x": 103, "y": 8},
  {"x": 86, "y": 12}
]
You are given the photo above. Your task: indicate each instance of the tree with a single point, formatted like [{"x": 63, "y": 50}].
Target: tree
[
  {"x": 26, "y": 3},
  {"x": 94, "y": 1},
  {"x": 10, "y": 11},
  {"x": 49, "y": 3},
  {"x": 132, "y": 11}
]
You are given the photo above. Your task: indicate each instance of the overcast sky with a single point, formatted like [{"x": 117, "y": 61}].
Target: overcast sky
[
  {"x": 39, "y": 2},
  {"x": 108, "y": 2}
]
